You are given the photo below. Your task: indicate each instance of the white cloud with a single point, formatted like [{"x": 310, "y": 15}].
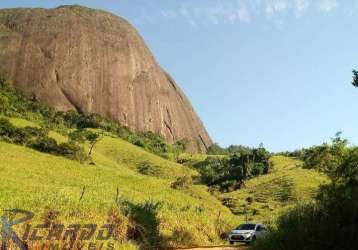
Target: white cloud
[
  {"x": 244, "y": 15},
  {"x": 184, "y": 12},
  {"x": 328, "y": 5},
  {"x": 168, "y": 13},
  {"x": 221, "y": 12},
  {"x": 301, "y": 6},
  {"x": 276, "y": 6},
  {"x": 245, "y": 11}
]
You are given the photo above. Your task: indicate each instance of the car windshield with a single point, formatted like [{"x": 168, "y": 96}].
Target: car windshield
[{"x": 246, "y": 227}]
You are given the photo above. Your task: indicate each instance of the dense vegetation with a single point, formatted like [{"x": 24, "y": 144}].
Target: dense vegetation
[
  {"x": 14, "y": 104},
  {"x": 229, "y": 173},
  {"x": 325, "y": 157},
  {"x": 216, "y": 149},
  {"x": 38, "y": 139},
  {"x": 331, "y": 221}
]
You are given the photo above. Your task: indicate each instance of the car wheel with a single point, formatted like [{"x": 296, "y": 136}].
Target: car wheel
[
  {"x": 253, "y": 239},
  {"x": 232, "y": 243}
]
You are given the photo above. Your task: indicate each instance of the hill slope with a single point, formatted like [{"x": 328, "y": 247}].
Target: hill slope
[
  {"x": 76, "y": 58},
  {"x": 266, "y": 196},
  {"x": 149, "y": 199},
  {"x": 41, "y": 182}
]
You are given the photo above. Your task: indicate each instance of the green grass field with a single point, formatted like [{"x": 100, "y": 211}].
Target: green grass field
[
  {"x": 265, "y": 197},
  {"x": 41, "y": 183}
]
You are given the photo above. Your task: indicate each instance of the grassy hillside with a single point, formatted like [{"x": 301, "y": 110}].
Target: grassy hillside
[
  {"x": 127, "y": 181},
  {"x": 266, "y": 196},
  {"x": 42, "y": 182}
]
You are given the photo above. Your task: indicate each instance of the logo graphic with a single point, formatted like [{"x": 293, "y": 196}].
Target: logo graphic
[
  {"x": 9, "y": 222},
  {"x": 53, "y": 236}
]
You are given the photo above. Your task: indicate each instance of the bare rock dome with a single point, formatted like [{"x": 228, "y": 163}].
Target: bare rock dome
[{"x": 76, "y": 58}]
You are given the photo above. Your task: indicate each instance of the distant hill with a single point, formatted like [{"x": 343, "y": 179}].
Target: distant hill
[{"x": 76, "y": 58}]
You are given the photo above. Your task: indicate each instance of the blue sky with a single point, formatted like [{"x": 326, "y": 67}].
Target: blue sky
[{"x": 271, "y": 71}]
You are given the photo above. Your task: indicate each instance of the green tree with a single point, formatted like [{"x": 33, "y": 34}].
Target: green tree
[
  {"x": 93, "y": 138},
  {"x": 83, "y": 135},
  {"x": 355, "y": 78}
]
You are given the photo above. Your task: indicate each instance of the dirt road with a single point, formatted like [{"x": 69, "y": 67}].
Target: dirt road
[
  {"x": 242, "y": 247},
  {"x": 219, "y": 248}
]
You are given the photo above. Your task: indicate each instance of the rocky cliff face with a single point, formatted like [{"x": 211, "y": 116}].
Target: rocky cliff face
[{"x": 76, "y": 58}]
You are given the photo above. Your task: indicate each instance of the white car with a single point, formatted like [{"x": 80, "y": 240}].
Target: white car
[{"x": 247, "y": 233}]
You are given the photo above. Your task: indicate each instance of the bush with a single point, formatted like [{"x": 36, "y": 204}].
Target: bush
[
  {"x": 10, "y": 133},
  {"x": 7, "y": 130},
  {"x": 20, "y": 136},
  {"x": 4, "y": 104},
  {"x": 147, "y": 168},
  {"x": 182, "y": 182},
  {"x": 144, "y": 218},
  {"x": 35, "y": 132},
  {"x": 45, "y": 144},
  {"x": 136, "y": 140},
  {"x": 71, "y": 151}
]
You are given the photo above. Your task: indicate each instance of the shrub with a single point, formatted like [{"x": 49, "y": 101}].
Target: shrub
[
  {"x": 77, "y": 136},
  {"x": 136, "y": 140},
  {"x": 45, "y": 144},
  {"x": 182, "y": 182},
  {"x": 20, "y": 136},
  {"x": 144, "y": 218},
  {"x": 35, "y": 132},
  {"x": 154, "y": 143},
  {"x": 71, "y": 151},
  {"x": 4, "y": 104},
  {"x": 85, "y": 120},
  {"x": 147, "y": 168},
  {"x": 7, "y": 130}
]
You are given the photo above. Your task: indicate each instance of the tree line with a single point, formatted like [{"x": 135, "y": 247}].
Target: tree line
[{"x": 231, "y": 167}]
